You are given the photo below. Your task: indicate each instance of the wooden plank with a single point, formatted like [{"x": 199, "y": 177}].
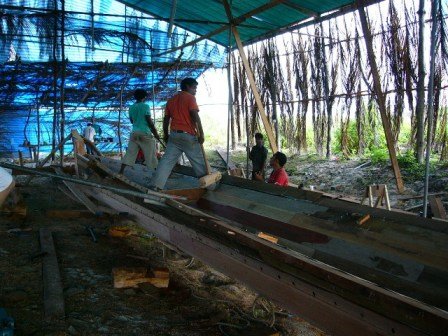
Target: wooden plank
[
  {"x": 437, "y": 207},
  {"x": 77, "y": 191},
  {"x": 94, "y": 164},
  {"x": 131, "y": 277},
  {"x": 250, "y": 76},
  {"x": 192, "y": 194},
  {"x": 78, "y": 143},
  {"x": 267, "y": 237},
  {"x": 67, "y": 214},
  {"x": 54, "y": 307}
]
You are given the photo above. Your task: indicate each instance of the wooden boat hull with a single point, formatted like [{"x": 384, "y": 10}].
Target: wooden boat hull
[
  {"x": 6, "y": 185},
  {"x": 324, "y": 259}
]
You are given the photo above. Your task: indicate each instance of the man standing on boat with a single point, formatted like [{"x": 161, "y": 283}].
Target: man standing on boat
[
  {"x": 89, "y": 134},
  {"x": 185, "y": 136},
  {"x": 258, "y": 156},
  {"x": 278, "y": 175},
  {"x": 143, "y": 133}
]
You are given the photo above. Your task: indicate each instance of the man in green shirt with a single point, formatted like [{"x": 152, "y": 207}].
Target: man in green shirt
[{"x": 143, "y": 133}]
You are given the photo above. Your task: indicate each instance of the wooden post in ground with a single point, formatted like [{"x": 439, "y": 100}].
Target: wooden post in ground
[
  {"x": 251, "y": 78},
  {"x": 21, "y": 158},
  {"x": 380, "y": 98}
]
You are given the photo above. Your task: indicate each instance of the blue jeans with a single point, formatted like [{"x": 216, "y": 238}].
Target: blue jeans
[{"x": 179, "y": 143}]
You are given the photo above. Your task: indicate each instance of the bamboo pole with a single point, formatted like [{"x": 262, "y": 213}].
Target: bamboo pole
[
  {"x": 230, "y": 100},
  {"x": 435, "y": 4},
  {"x": 325, "y": 80},
  {"x": 250, "y": 75},
  {"x": 253, "y": 86},
  {"x": 380, "y": 95},
  {"x": 420, "y": 108},
  {"x": 62, "y": 88}
]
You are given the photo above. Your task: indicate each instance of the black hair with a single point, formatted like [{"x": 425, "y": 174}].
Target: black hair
[
  {"x": 89, "y": 124},
  {"x": 140, "y": 94},
  {"x": 259, "y": 136},
  {"x": 186, "y": 82},
  {"x": 281, "y": 158}
]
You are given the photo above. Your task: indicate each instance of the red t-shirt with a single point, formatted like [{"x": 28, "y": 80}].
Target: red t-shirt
[
  {"x": 279, "y": 177},
  {"x": 178, "y": 109}
]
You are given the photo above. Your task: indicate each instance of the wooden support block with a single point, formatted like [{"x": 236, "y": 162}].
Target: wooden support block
[
  {"x": 78, "y": 143},
  {"x": 267, "y": 237},
  {"x": 192, "y": 194},
  {"x": 437, "y": 207},
  {"x": 364, "y": 219},
  {"x": 238, "y": 172},
  {"x": 130, "y": 277},
  {"x": 119, "y": 231},
  {"x": 209, "y": 179},
  {"x": 53, "y": 296},
  {"x": 66, "y": 214}
]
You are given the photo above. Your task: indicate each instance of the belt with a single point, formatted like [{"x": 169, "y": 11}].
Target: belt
[{"x": 179, "y": 131}]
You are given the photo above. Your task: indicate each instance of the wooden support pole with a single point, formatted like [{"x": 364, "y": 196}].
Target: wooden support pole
[
  {"x": 380, "y": 95},
  {"x": 253, "y": 86},
  {"x": 20, "y": 158},
  {"x": 251, "y": 78}
]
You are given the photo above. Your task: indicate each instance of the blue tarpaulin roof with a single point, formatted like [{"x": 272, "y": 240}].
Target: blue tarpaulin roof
[{"x": 109, "y": 51}]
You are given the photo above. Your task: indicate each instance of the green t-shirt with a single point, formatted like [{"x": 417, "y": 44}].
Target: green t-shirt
[{"x": 137, "y": 113}]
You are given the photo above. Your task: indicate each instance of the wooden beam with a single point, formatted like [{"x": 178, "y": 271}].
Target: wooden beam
[
  {"x": 380, "y": 95},
  {"x": 172, "y": 15},
  {"x": 235, "y": 21},
  {"x": 53, "y": 296},
  {"x": 251, "y": 78}
]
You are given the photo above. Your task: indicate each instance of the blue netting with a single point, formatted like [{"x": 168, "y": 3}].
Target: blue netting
[{"x": 109, "y": 51}]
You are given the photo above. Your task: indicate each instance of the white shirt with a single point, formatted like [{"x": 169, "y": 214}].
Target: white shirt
[{"x": 89, "y": 133}]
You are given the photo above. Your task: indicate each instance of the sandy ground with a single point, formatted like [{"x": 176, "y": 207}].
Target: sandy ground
[{"x": 197, "y": 300}]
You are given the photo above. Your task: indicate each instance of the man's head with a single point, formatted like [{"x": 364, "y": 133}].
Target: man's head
[
  {"x": 189, "y": 85},
  {"x": 278, "y": 160},
  {"x": 140, "y": 94},
  {"x": 89, "y": 124},
  {"x": 259, "y": 139}
]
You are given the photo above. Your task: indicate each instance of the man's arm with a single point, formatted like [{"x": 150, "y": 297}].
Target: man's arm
[
  {"x": 166, "y": 124},
  {"x": 197, "y": 121},
  {"x": 152, "y": 127}
]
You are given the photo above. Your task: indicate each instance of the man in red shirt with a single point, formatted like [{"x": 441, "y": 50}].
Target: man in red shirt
[
  {"x": 278, "y": 175},
  {"x": 185, "y": 136}
]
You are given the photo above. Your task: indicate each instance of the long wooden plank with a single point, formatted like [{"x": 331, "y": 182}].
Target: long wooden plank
[
  {"x": 250, "y": 76},
  {"x": 54, "y": 307},
  {"x": 264, "y": 224}
]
